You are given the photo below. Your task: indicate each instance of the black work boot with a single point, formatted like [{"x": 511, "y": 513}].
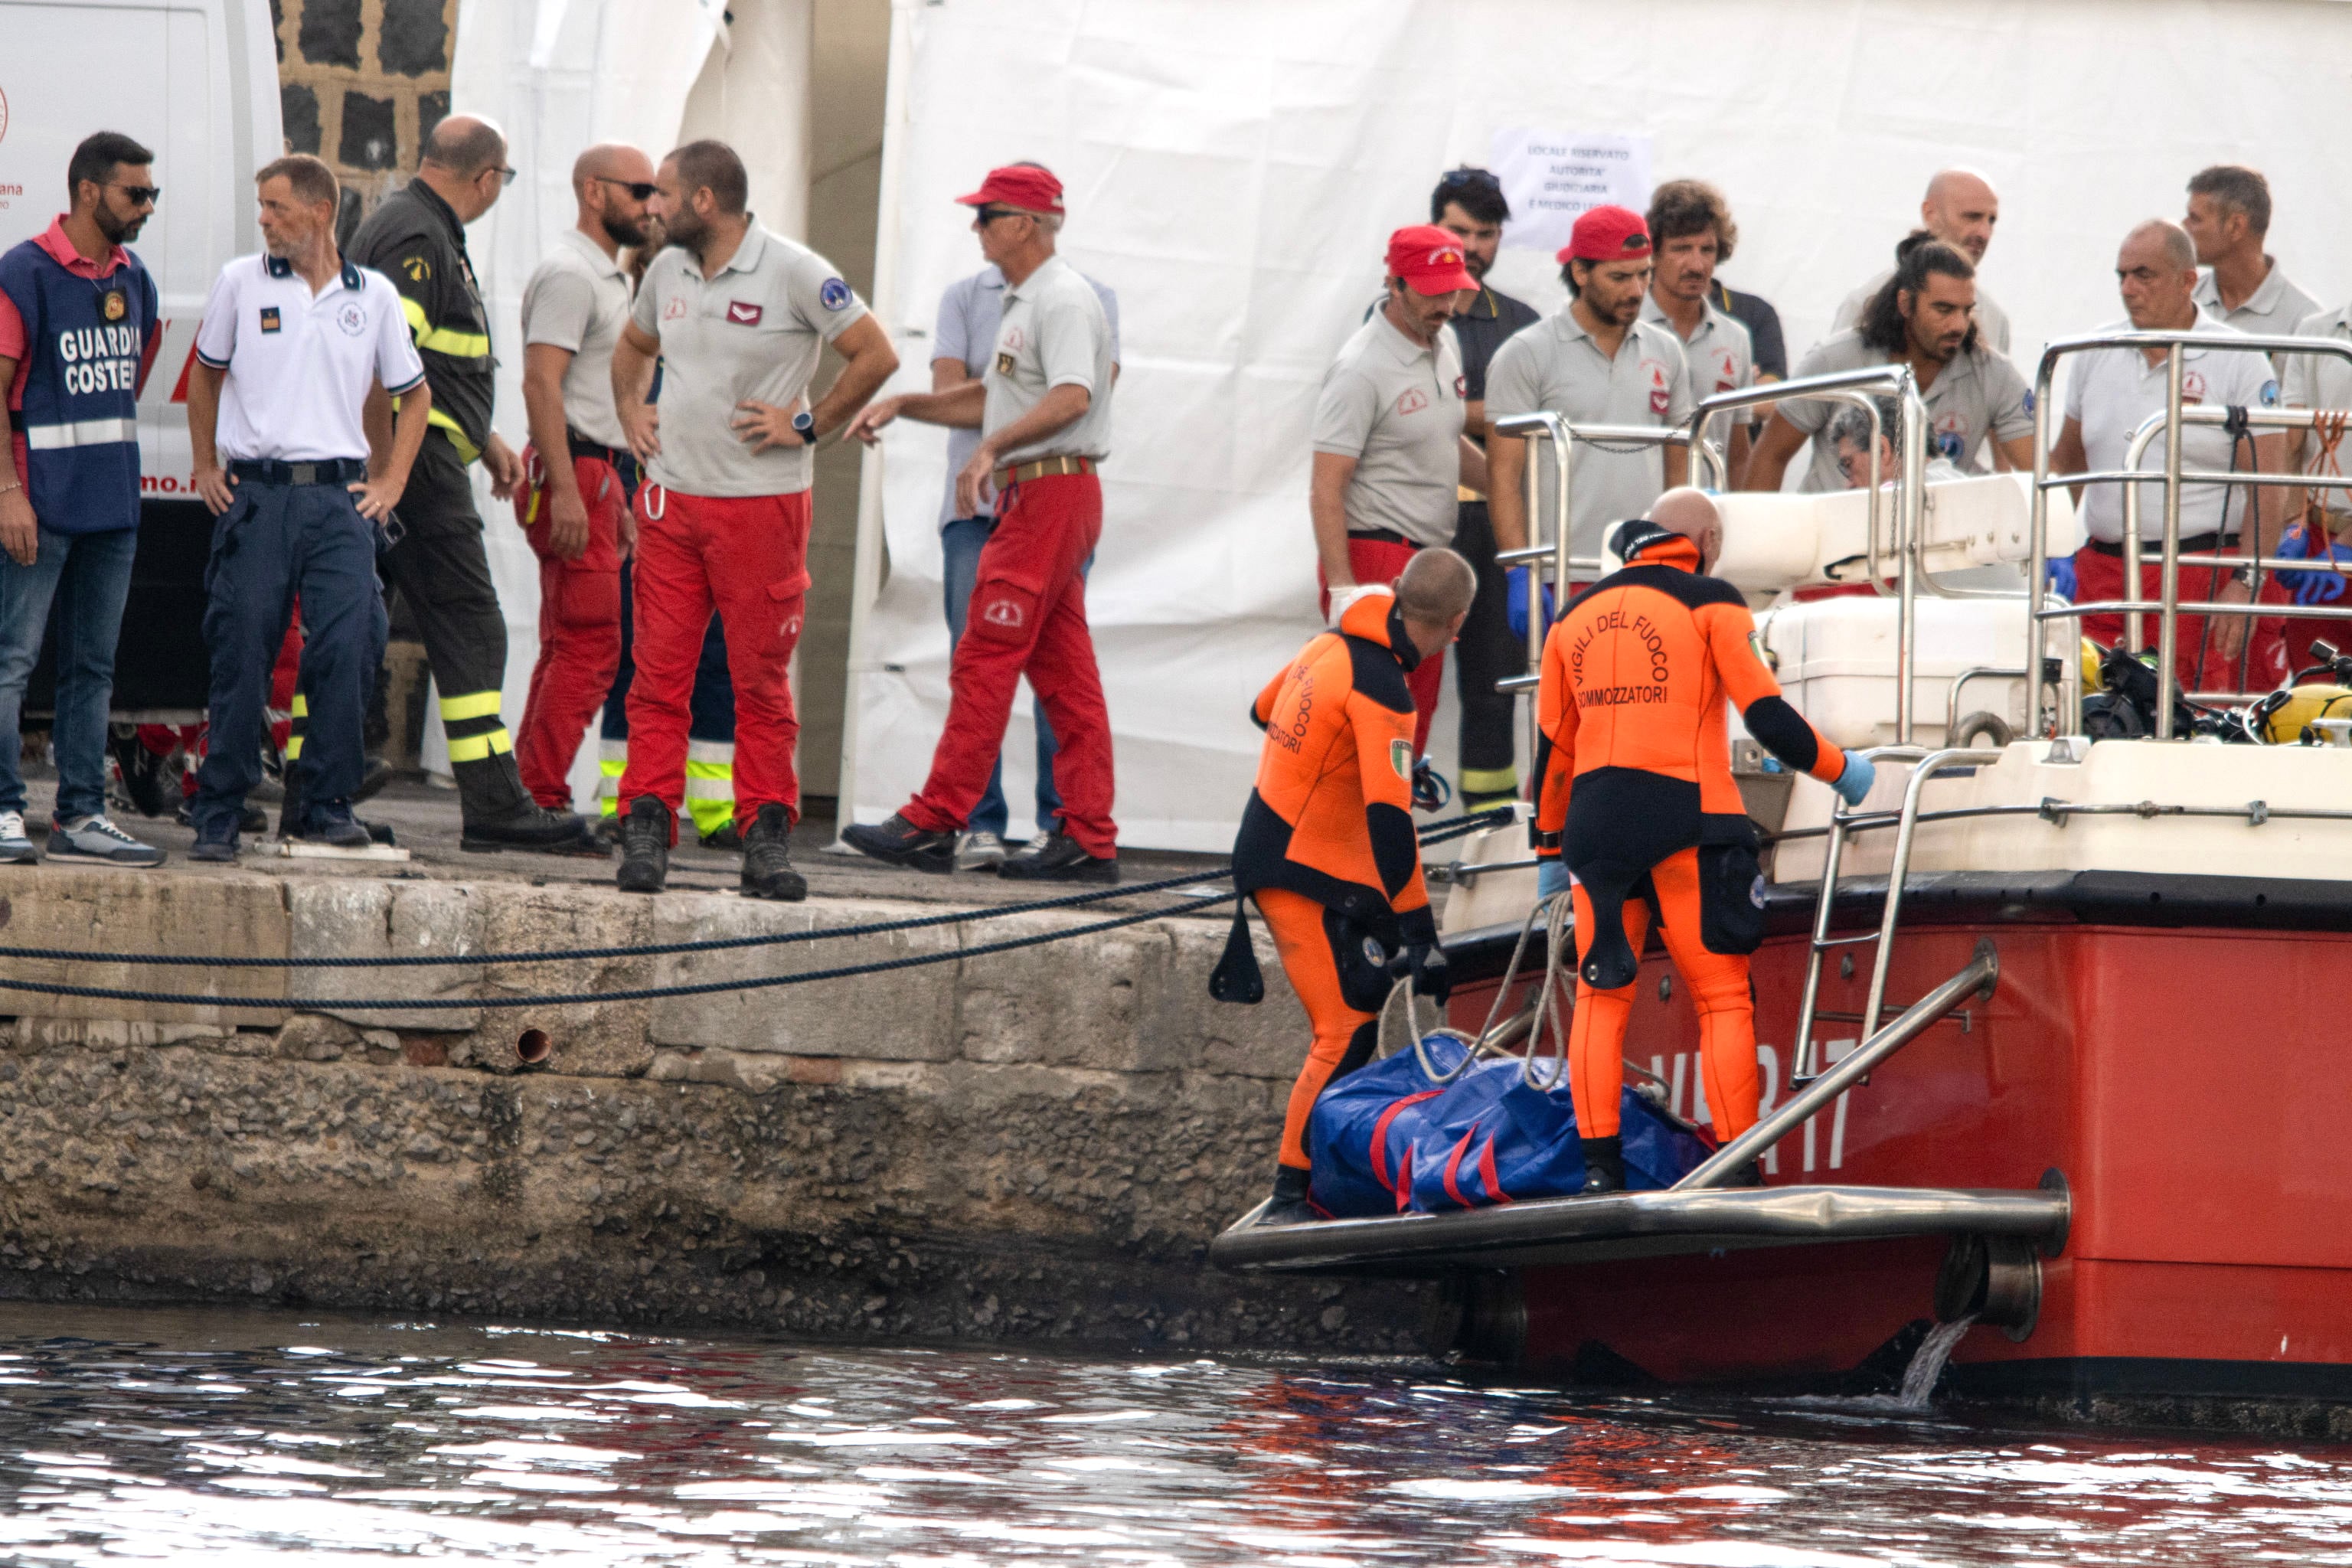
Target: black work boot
[
  {"x": 894, "y": 841},
  {"x": 498, "y": 813},
  {"x": 531, "y": 826},
  {"x": 1288, "y": 1205},
  {"x": 1058, "y": 859},
  {"x": 1604, "y": 1165},
  {"x": 767, "y": 858},
  {"x": 644, "y": 847}
]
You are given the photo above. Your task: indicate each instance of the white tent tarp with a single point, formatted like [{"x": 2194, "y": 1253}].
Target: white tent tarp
[{"x": 1232, "y": 169}]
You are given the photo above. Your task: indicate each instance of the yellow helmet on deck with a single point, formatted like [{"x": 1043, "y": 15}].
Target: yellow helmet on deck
[{"x": 2284, "y": 725}]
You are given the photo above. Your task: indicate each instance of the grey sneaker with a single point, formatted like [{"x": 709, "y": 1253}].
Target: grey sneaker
[
  {"x": 98, "y": 840},
  {"x": 16, "y": 849},
  {"x": 978, "y": 852}
]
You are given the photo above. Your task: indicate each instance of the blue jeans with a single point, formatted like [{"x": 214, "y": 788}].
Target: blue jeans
[
  {"x": 961, "y": 542},
  {"x": 89, "y": 577}
]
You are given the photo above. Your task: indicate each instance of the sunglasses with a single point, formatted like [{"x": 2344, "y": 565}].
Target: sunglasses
[
  {"x": 141, "y": 196},
  {"x": 989, "y": 215},
  {"x": 642, "y": 190}
]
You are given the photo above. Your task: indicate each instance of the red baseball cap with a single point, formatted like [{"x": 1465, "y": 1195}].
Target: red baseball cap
[
  {"x": 1607, "y": 234},
  {"x": 1429, "y": 260},
  {"x": 1020, "y": 186}
]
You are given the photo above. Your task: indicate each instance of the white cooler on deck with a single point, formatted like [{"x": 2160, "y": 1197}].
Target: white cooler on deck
[{"x": 1837, "y": 662}]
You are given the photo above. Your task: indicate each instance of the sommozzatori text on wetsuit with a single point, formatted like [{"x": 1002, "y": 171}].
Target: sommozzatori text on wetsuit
[
  {"x": 1653, "y": 638},
  {"x": 102, "y": 359}
]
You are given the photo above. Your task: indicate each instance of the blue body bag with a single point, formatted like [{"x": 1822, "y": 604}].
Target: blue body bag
[{"x": 1387, "y": 1138}]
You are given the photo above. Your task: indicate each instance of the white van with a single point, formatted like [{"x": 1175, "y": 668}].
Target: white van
[{"x": 198, "y": 82}]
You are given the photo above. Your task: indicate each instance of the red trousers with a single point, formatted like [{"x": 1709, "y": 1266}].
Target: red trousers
[
  {"x": 2197, "y": 664},
  {"x": 1383, "y": 560},
  {"x": 747, "y": 556},
  {"x": 579, "y": 630},
  {"x": 1028, "y": 617}
]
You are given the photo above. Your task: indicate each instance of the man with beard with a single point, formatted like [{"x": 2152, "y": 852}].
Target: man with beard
[
  {"x": 576, "y": 512},
  {"x": 293, "y": 345},
  {"x": 1960, "y": 209},
  {"x": 1595, "y": 362},
  {"x": 738, "y": 316},
  {"x": 416, "y": 237},
  {"x": 1690, "y": 225},
  {"x": 78, "y": 332},
  {"x": 1923, "y": 318}
]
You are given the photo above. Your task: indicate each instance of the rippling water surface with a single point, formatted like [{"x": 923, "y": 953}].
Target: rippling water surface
[{"x": 272, "y": 1438}]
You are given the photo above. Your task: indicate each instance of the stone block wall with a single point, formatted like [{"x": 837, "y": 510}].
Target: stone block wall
[{"x": 361, "y": 82}]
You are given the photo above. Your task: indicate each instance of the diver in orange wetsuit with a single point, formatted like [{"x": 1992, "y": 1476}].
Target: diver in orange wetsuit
[
  {"x": 1635, "y": 801},
  {"x": 1327, "y": 845}
]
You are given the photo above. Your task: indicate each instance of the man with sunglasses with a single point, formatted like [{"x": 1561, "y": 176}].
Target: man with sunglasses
[
  {"x": 78, "y": 334},
  {"x": 1043, "y": 413},
  {"x": 961, "y": 345},
  {"x": 574, "y": 505},
  {"x": 416, "y": 237}
]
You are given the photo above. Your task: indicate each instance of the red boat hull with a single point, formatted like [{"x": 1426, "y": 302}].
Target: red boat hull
[{"x": 2185, "y": 1082}]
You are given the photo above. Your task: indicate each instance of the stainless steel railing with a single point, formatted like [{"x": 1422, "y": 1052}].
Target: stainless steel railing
[{"x": 2176, "y": 418}]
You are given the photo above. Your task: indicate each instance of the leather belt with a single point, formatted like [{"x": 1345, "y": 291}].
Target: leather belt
[
  {"x": 1043, "y": 467},
  {"x": 269, "y": 471},
  {"x": 1383, "y": 536},
  {"x": 2151, "y": 550},
  {"x": 581, "y": 447}
]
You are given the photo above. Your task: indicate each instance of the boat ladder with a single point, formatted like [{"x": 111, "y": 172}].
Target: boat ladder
[{"x": 1807, "y": 1065}]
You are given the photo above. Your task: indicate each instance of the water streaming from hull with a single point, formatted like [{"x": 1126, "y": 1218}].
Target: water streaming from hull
[{"x": 1928, "y": 1363}]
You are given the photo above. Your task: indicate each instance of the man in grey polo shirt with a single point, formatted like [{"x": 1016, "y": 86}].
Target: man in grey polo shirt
[
  {"x": 971, "y": 310},
  {"x": 737, "y": 315},
  {"x": 1923, "y": 319},
  {"x": 1961, "y": 208},
  {"x": 1594, "y": 362},
  {"x": 2243, "y": 286},
  {"x": 1690, "y": 225},
  {"x": 1389, "y": 449}
]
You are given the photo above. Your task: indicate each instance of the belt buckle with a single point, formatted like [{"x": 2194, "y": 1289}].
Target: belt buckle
[{"x": 302, "y": 473}]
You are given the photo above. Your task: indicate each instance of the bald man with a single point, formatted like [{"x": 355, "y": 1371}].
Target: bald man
[
  {"x": 1961, "y": 208},
  {"x": 416, "y": 237},
  {"x": 1326, "y": 845},
  {"x": 1635, "y": 801},
  {"x": 2108, "y": 393},
  {"x": 580, "y": 475}
]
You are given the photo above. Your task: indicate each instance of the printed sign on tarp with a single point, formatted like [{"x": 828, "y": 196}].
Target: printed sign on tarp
[{"x": 1549, "y": 177}]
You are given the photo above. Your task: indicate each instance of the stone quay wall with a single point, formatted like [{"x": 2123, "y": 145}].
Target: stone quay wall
[{"x": 1027, "y": 1145}]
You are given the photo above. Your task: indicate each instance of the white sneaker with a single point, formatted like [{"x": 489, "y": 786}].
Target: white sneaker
[
  {"x": 96, "y": 839},
  {"x": 15, "y": 847},
  {"x": 978, "y": 852}
]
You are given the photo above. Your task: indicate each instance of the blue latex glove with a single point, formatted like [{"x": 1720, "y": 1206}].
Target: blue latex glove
[
  {"x": 1855, "y": 782},
  {"x": 2061, "y": 577},
  {"x": 1516, "y": 600},
  {"x": 2311, "y": 587},
  {"x": 1551, "y": 877}
]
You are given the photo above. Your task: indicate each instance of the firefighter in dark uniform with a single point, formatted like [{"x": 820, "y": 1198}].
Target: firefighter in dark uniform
[
  {"x": 416, "y": 237},
  {"x": 1468, "y": 204}
]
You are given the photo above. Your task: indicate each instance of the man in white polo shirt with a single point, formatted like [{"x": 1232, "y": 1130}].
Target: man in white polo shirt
[
  {"x": 1593, "y": 362},
  {"x": 291, "y": 341},
  {"x": 737, "y": 315},
  {"x": 2108, "y": 393},
  {"x": 575, "y": 513},
  {"x": 1044, "y": 409},
  {"x": 1390, "y": 458},
  {"x": 2243, "y": 286}
]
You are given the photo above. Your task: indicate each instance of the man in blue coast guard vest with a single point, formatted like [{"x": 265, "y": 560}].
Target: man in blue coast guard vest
[{"x": 77, "y": 331}]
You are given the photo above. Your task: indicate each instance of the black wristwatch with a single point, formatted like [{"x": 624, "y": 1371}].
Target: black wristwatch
[{"x": 804, "y": 427}]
